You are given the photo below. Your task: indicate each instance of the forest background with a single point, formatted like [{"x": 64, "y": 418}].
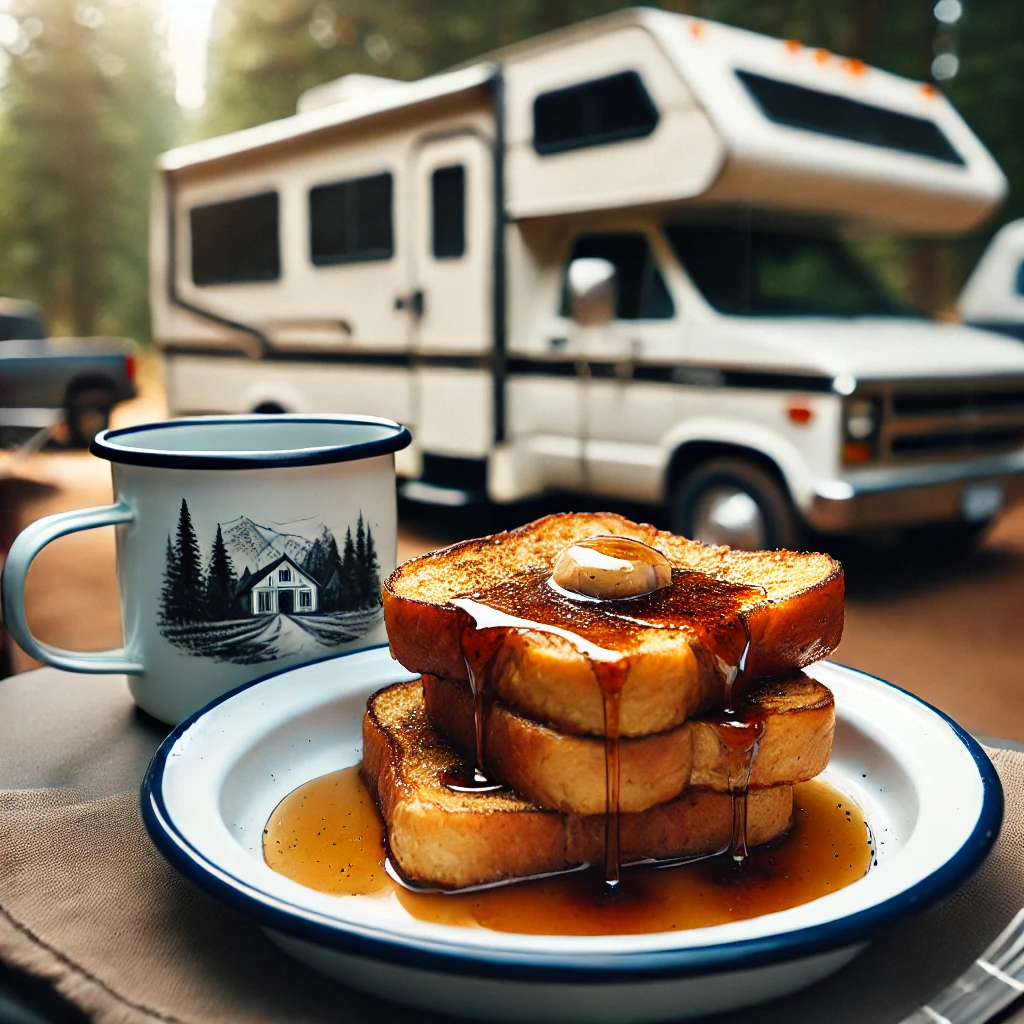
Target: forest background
[{"x": 87, "y": 102}]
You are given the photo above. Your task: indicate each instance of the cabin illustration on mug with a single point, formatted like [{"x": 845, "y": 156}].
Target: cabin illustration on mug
[
  {"x": 281, "y": 587},
  {"x": 268, "y": 589}
]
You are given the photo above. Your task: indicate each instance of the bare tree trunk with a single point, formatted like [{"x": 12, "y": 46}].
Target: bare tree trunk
[
  {"x": 862, "y": 35},
  {"x": 930, "y": 276}
]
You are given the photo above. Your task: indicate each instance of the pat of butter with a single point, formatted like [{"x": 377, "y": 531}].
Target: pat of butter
[{"x": 611, "y": 567}]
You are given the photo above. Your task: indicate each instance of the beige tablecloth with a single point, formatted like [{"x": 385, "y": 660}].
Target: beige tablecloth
[{"x": 87, "y": 903}]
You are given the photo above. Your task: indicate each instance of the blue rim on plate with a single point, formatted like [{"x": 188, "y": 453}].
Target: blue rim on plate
[
  {"x": 389, "y": 437},
  {"x": 584, "y": 968}
]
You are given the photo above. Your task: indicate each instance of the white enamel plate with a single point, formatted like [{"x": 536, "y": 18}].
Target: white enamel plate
[{"x": 930, "y": 795}]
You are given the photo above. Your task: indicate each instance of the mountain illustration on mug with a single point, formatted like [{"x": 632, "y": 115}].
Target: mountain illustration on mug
[{"x": 268, "y": 591}]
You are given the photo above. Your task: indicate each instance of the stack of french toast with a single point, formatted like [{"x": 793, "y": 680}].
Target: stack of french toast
[{"x": 585, "y": 678}]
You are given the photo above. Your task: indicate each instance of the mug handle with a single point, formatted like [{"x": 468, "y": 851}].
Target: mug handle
[{"x": 23, "y": 551}]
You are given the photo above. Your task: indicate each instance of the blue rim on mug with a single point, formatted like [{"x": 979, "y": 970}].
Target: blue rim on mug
[{"x": 385, "y": 437}]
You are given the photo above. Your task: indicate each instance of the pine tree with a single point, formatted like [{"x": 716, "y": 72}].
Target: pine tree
[
  {"x": 348, "y": 577},
  {"x": 332, "y": 596},
  {"x": 330, "y": 593},
  {"x": 361, "y": 582},
  {"x": 315, "y": 562},
  {"x": 372, "y": 572},
  {"x": 189, "y": 590},
  {"x": 242, "y": 606},
  {"x": 220, "y": 582},
  {"x": 168, "y": 610}
]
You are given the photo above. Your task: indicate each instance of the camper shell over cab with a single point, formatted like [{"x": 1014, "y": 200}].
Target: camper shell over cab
[{"x": 424, "y": 251}]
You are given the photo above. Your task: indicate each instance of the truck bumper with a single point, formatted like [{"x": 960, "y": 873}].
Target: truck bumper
[{"x": 906, "y": 496}]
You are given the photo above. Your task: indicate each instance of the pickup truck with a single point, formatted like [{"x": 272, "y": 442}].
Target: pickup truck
[{"x": 46, "y": 381}]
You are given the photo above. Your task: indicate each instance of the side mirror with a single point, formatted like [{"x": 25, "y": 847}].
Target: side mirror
[{"x": 593, "y": 291}]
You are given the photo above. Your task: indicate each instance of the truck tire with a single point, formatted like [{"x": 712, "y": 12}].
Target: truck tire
[
  {"x": 88, "y": 413},
  {"x": 735, "y": 502}
]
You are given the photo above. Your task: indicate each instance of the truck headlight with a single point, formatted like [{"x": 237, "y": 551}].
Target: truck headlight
[{"x": 861, "y": 420}]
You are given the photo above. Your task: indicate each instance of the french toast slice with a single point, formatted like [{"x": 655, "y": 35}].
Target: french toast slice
[
  {"x": 567, "y": 772},
  {"x": 449, "y": 840},
  {"x": 789, "y": 604}
]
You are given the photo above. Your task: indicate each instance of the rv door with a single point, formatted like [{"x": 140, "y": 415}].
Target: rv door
[
  {"x": 449, "y": 294},
  {"x": 449, "y": 298}
]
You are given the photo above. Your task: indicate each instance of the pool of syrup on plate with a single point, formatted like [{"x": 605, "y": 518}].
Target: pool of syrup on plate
[{"x": 328, "y": 835}]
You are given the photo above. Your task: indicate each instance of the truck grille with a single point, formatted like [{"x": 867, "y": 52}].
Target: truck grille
[
  {"x": 954, "y": 420},
  {"x": 959, "y": 402}
]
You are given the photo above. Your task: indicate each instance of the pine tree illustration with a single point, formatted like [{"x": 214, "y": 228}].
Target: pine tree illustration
[
  {"x": 363, "y": 582},
  {"x": 220, "y": 582},
  {"x": 168, "y": 611},
  {"x": 315, "y": 562},
  {"x": 348, "y": 578},
  {"x": 188, "y": 588},
  {"x": 332, "y": 592},
  {"x": 372, "y": 570}
]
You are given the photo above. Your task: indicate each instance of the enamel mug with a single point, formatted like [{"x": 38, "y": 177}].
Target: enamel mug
[{"x": 245, "y": 544}]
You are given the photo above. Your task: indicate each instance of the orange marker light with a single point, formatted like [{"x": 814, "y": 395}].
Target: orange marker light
[
  {"x": 793, "y": 45},
  {"x": 856, "y": 451},
  {"x": 696, "y": 29},
  {"x": 799, "y": 414},
  {"x": 929, "y": 90},
  {"x": 821, "y": 56},
  {"x": 854, "y": 66}
]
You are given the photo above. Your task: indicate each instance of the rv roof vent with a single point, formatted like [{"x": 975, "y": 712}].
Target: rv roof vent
[{"x": 348, "y": 87}]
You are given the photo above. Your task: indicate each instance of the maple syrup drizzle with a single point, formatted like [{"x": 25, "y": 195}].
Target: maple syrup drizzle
[
  {"x": 328, "y": 835},
  {"x": 483, "y": 628},
  {"x": 740, "y": 733},
  {"x": 479, "y": 648},
  {"x": 610, "y": 677},
  {"x": 739, "y": 730},
  {"x": 605, "y": 632}
]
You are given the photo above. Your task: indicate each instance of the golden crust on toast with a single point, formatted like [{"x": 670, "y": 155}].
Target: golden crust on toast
[
  {"x": 450, "y": 840},
  {"x": 798, "y": 620},
  {"x": 567, "y": 772}
]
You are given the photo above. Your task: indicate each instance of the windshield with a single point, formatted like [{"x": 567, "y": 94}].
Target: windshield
[{"x": 757, "y": 272}]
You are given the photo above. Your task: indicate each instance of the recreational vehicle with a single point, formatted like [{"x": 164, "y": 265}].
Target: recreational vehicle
[
  {"x": 608, "y": 260},
  {"x": 993, "y": 296}
]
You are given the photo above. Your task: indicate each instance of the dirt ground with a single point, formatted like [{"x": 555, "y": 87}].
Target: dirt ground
[{"x": 947, "y": 627}]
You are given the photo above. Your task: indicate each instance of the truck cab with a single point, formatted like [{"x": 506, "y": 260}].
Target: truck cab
[
  {"x": 611, "y": 261},
  {"x": 993, "y": 297},
  {"x": 48, "y": 382},
  {"x": 757, "y": 378}
]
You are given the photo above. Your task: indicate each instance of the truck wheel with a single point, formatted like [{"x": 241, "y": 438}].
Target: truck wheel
[
  {"x": 88, "y": 413},
  {"x": 734, "y": 502}
]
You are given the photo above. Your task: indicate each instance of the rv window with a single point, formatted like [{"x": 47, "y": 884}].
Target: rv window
[
  {"x": 237, "y": 241},
  {"x": 1020, "y": 279},
  {"x": 593, "y": 113},
  {"x": 448, "y": 212},
  {"x": 756, "y": 272},
  {"x": 350, "y": 221},
  {"x": 824, "y": 112},
  {"x": 642, "y": 294}
]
